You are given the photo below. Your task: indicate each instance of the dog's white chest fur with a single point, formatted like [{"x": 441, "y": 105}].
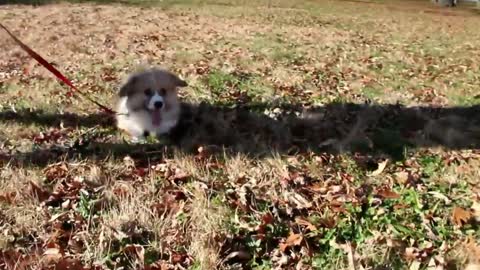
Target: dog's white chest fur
[{"x": 138, "y": 122}]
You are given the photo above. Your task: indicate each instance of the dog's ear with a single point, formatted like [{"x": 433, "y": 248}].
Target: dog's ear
[
  {"x": 177, "y": 81},
  {"x": 127, "y": 88}
]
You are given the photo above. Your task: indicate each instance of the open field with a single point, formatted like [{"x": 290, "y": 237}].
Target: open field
[{"x": 316, "y": 135}]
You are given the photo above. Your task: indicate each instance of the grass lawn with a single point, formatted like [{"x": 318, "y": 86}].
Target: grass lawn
[{"x": 315, "y": 135}]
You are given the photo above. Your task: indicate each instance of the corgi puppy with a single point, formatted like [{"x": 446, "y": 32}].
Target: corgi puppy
[{"x": 148, "y": 103}]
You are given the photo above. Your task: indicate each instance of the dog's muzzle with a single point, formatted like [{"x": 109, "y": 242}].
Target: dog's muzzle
[{"x": 155, "y": 102}]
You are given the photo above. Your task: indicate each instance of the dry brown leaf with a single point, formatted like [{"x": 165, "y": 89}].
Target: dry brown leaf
[
  {"x": 38, "y": 192},
  {"x": 267, "y": 219},
  {"x": 318, "y": 187},
  {"x": 401, "y": 177},
  {"x": 411, "y": 253},
  {"x": 391, "y": 242},
  {"x": 302, "y": 222},
  {"x": 381, "y": 166},
  {"x": 178, "y": 258},
  {"x": 298, "y": 200},
  {"x": 56, "y": 171},
  {"x": 292, "y": 240},
  {"x": 8, "y": 197},
  {"x": 460, "y": 216},
  {"x": 52, "y": 255},
  {"x": 388, "y": 193},
  {"x": 13, "y": 259}
]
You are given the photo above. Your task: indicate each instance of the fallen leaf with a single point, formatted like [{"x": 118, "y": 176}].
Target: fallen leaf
[
  {"x": 267, "y": 219},
  {"x": 178, "y": 258},
  {"x": 52, "y": 255},
  {"x": 298, "y": 200},
  {"x": 319, "y": 188},
  {"x": 53, "y": 135},
  {"x": 292, "y": 240},
  {"x": 335, "y": 189},
  {"x": 381, "y": 166},
  {"x": 387, "y": 193},
  {"x": 411, "y": 253},
  {"x": 401, "y": 177},
  {"x": 302, "y": 222},
  {"x": 393, "y": 242},
  {"x": 56, "y": 171},
  {"x": 38, "y": 192},
  {"x": 8, "y": 197},
  {"x": 13, "y": 259},
  {"x": 460, "y": 216},
  {"x": 400, "y": 206}
]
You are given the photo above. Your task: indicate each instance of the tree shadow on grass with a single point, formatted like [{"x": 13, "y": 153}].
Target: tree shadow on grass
[{"x": 260, "y": 130}]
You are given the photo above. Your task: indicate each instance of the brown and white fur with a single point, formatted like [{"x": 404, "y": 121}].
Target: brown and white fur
[{"x": 148, "y": 103}]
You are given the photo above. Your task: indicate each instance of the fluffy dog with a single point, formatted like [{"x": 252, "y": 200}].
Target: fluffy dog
[{"x": 148, "y": 103}]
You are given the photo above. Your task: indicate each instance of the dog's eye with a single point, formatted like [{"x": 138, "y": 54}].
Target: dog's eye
[
  {"x": 148, "y": 92},
  {"x": 163, "y": 91}
]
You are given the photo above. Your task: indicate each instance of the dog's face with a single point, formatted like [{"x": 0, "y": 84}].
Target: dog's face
[{"x": 154, "y": 90}]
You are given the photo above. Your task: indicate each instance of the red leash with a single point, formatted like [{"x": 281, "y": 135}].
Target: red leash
[{"x": 55, "y": 72}]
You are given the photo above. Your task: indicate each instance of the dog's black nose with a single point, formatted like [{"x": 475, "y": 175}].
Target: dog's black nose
[{"x": 158, "y": 104}]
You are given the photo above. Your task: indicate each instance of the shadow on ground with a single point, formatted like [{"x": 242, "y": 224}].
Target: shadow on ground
[{"x": 260, "y": 130}]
